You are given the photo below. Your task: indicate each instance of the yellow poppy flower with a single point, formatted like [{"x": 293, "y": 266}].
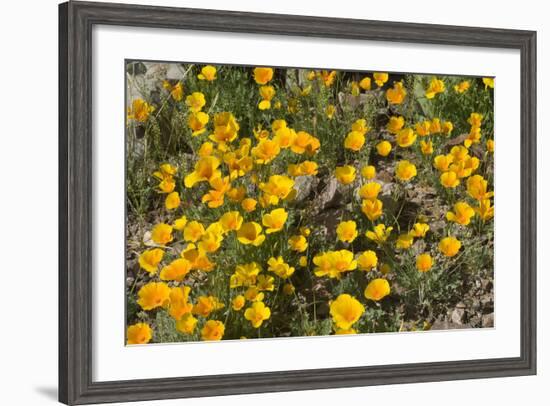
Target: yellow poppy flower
[
  {"x": 485, "y": 211},
  {"x": 153, "y": 295},
  {"x": 327, "y": 77},
  {"x": 231, "y": 221},
  {"x": 297, "y": 243},
  {"x": 395, "y": 124},
  {"x": 244, "y": 275},
  {"x": 334, "y": 263},
  {"x": 177, "y": 92},
  {"x": 249, "y": 204},
  {"x": 461, "y": 214},
  {"x": 139, "y": 333},
  {"x": 265, "y": 151},
  {"x": 449, "y": 179},
  {"x": 436, "y": 86},
  {"x": 346, "y": 311},
  {"x": 179, "y": 302},
  {"x": 186, "y": 324},
  {"x": 238, "y": 302},
  {"x": 172, "y": 201},
  {"x": 285, "y": 137},
  {"x": 213, "y": 330},
  {"x": 435, "y": 126},
  {"x": 211, "y": 241},
  {"x": 206, "y": 169},
  {"x": 449, "y": 246},
  {"x": 206, "y": 305},
  {"x": 265, "y": 283},
  {"x": 150, "y": 259},
  {"x": 462, "y": 86},
  {"x": 372, "y": 208},
  {"x": 330, "y": 111},
  {"x": 427, "y": 148},
  {"x": 345, "y": 174},
  {"x": 279, "y": 186},
  {"x": 226, "y": 128},
  {"x": 166, "y": 171},
  {"x": 424, "y": 262},
  {"x": 404, "y": 241},
  {"x": 303, "y": 142},
  {"x": 476, "y": 186},
  {"x": 354, "y": 141},
  {"x": 491, "y": 146},
  {"x": 368, "y": 172},
  {"x": 442, "y": 162},
  {"x": 380, "y": 78},
  {"x": 379, "y": 234},
  {"x": 162, "y": 234},
  {"x": 197, "y": 122},
  {"x": 377, "y": 289},
  {"x": 475, "y": 119},
  {"x": 360, "y": 126},
  {"x": 180, "y": 223},
  {"x": 419, "y": 230},
  {"x": 251, "y": 233},
  {"x": 405, "y": 137},
  {"x": 253, "y": 294},
  {"x": 263, "y": 75},
  {"x": 489, "y": 82},
  {"x": 383, "y": 148},
  {"x": 195, "y": 101},
  {"x": 175, "y": 270},
  {"x": 347, "y": 231},
  {"x": 446, "y": 127},
  {"x": 370, "y": 190},
  {"x": 167, "y": 185},
  {"x": 206, "y": 149},
  {"x": 257, "y": 314},
  {"x": 275, "y": 220},
  {"x": 367, "y": 260},
  {"x": 365, "y": 83},
  {"x": 405, "y": 170},
  {"x": 267, "y": 93},
  {"x": 279, "y": 267},
  {"x": 423, "y": 128},
  {"x": 397, "y": 94},
  {"x": 140, "y": 110},
  {"x": 236, "y": 194},
  {"x": 193, "y": 231},
  {"x": 208, "y": 73}
]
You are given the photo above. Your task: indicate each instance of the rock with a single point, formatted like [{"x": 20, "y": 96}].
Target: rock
[
  {"x": 446, "y": 325},
  {"x": 174, "y": 72},
  {"x": 487, "y": 285},
  {"x": 457, "y": 316},
  {"x": 305, "y": 185},
  {"x": 328, "y": 194},
  {"x": 488, "y": 320},
  {"x": 475, "y": 321},
  {"x": 487, "y": 305}
]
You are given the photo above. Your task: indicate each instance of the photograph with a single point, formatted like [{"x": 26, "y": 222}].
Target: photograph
[{"x": 273, "y": 202}]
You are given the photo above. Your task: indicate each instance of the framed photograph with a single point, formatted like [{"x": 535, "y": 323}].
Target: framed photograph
[{"x": 260, "y": 202}]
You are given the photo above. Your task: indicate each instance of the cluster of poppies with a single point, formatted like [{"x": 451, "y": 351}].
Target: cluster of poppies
[{"x": 238, "y": 272}]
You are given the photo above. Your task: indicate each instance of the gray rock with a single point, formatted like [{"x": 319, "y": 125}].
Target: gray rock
[
  {"x": 488, "y": 320},
  {"x": 328, "y": 194},
  {"x": 458, "y": 315},
  {"x": 305, "y": 185}
]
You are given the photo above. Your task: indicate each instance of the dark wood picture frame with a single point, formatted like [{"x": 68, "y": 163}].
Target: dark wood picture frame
[{"x": 76, "y": 20}]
